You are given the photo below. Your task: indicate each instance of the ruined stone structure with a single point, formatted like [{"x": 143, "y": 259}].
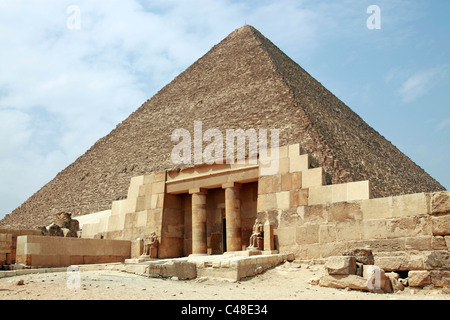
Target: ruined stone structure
[
  {"x": 63, "y": 226},
  {"x": 338, "y": 185}
]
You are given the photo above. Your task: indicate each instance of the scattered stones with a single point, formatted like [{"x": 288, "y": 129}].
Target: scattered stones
[
  {"x": 341, "y": 273},
  {"x": 341, "y": 265},
  {"x": 342, "y": 281},
  {"x": 419, "y": 278},
  {"x": 344, "y": 272},
  {"x": 395, "y": 281}
]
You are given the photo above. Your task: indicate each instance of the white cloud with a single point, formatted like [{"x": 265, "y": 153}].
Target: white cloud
[
  {"x": 442, "y": 125},
  {"x": 15, "y": 131},
  {"x": 62, "y": 89},
  {"x": 419, "y": 84}
]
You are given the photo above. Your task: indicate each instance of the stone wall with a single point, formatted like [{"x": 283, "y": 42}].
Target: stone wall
[
  {"x": 310, "y": 218},
  {"x": 401, "y": 226},
  {"x": 39, "y": 251},
  {"x": 8, "y": 242}
]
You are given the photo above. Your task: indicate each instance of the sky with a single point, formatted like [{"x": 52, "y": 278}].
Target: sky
[{"x": 70, "y": 71}]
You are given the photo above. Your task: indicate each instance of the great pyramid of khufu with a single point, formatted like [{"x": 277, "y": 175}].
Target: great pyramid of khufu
[{"x": 243, "y": 82}]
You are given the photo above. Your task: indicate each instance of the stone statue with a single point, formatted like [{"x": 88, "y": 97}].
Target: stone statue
[
  {"x": 150, "y": 246},
  {"x": 257, "y": 234}
]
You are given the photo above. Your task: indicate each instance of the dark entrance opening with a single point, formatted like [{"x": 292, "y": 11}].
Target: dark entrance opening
[{"x": 224, "y": 235}]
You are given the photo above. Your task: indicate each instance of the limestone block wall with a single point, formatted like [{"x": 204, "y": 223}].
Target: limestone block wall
[
  {"x": 8, "y": 243},
  {"x": 172, "y": 228},
  {"x": 40, "y": 251},
  {"x": 316, "y": 220},
  {"x": 408, "y": 224},
  {"x": 310, "y": 217},
  {"x": 297, "y": 187}
]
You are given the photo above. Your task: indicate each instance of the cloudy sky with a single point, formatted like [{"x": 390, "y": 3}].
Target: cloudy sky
[{"x": 70, "y": 71}]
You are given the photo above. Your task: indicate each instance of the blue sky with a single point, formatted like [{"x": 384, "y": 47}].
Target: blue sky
[{"x": 62, "y": 87}]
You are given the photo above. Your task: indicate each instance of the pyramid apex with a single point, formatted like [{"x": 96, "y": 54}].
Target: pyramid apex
[{"x": 245, "y": 28}]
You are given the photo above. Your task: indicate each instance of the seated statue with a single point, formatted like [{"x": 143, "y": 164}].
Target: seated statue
[
  {"x": 257, "y": 234},
  {"x": 149, "y": 244}
]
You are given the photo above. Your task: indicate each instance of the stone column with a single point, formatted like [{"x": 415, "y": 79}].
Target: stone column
[
  {"x": 233, "y": 216},
  {"x": 199, "y": 245}
]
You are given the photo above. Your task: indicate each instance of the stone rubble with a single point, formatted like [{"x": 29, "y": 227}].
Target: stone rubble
[
  {"x": 341, "y": 273},
  {"x": 63, "y": 226}
]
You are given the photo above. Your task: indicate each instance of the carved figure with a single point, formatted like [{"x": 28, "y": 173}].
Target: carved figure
[
  {"x": 258, "y": 231},
  {"x": 149, "y": 244}
]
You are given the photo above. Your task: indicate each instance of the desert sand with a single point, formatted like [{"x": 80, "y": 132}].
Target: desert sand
[{"x": 288, "y": 281}]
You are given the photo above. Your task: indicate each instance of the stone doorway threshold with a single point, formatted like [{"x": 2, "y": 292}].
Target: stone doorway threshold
[{"x": 229, "y": 266}]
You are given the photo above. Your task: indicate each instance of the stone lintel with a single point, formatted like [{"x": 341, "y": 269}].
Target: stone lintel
[{"x": 198, "y": 191}]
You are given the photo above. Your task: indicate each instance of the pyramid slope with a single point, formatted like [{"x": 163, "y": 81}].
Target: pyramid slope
[
  {"x": 243, "y": 82},
  {"x": 352, "y": 143}
]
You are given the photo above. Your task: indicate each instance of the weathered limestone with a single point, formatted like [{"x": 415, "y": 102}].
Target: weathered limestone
[
  {"x": 6, "y": 247},
  {"x": 440, "y": 278},
  {"x": 344, "y": 281},
  {"x": 419, "y": 278},
  {"x": 338, "y": 193},
  {"x": 440, "y": 203},
  {"x": 63, "y": 226},
  {"x": 55, "y": 251},
  {"x": 341, "y": 265},
  {"x": 413, "y": 260},
  {"x": 345, "y": 273},
  {"x": 8, "y": 244},
  {"x": 361, "y": 255},
  {"x": 385, "y": 224},
  {"x": 236, "y": 267},
  {"x": 182, "y": 270},
  {"x": 409, "y": 205},
  {"x": 440, "y": 225}
]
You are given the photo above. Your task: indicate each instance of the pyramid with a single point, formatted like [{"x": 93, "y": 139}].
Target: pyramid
[{"x": 243, "y": 82}]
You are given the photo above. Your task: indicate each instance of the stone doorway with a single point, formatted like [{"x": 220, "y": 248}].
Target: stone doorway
[
  {"x": 200, "y": 221},
  {"x": 224, "y": 235}
]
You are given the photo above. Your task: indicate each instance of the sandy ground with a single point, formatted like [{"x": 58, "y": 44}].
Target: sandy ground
[{"x": 289, "y": 281}]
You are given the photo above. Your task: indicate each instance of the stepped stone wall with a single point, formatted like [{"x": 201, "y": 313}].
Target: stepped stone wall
[
  {"x": 307, "y": 218},
  {"x": 310, "y": 219}
]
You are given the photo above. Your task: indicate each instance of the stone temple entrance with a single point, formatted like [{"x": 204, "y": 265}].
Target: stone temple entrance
[{"x": 209, "y": 221}]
